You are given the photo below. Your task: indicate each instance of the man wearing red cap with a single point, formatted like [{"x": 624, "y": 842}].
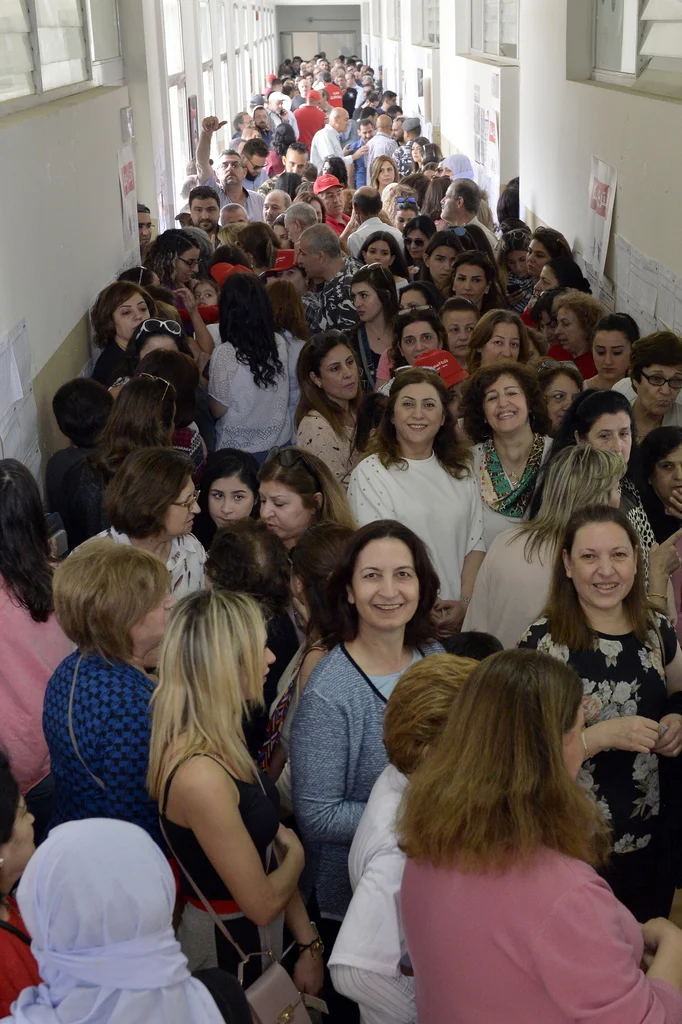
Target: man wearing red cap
[
  {"x": 310, "y": 119},
  {"x": 329, "y": 189}
]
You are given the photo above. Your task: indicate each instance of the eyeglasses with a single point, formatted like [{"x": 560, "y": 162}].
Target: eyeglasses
[
  {"x": 192, "y": 500},
  {"x": 288, "y": 457},
  {"x": 152, "y": 326},
  {"x": 189, "y": 263},
  {"x": 418, "y": 243},
  {"x": 657, "y": 380},
  {"x": 406, "y": 201},
  {"x": 517, "y": 239},
  {"x": 398, "y": 369},
  {"x": 254, "y": 165},
  {"x": 150, "y": 376}
]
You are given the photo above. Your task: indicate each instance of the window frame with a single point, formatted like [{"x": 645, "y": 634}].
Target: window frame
[
  {"x": 40, "y": 94},
  {"x": 663, "y": 81},
  {"x": 476, "y": 51}
]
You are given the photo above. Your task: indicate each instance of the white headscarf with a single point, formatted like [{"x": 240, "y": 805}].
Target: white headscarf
[
  {"x": 460, "y": 165},
  {"x": 97, "y": 898}
]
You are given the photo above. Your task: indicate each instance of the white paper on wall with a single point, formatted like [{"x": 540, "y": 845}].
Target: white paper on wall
[
  {"x": 665, "y": 296},
  {"x": 602, "y": 194},
  {"x": 643, "y": 281},
  {"x": 623, "y": 250}
]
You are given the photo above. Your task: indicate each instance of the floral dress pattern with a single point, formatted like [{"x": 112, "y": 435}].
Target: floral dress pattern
[{"x": 620, "y": 676}]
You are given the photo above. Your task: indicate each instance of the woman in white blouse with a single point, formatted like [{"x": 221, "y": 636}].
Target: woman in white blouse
[
  {"x": 329, "y": 381},
  {"x": 249, "y": 384},
  {"x": 151, "y": 503},
  {"x": 420, "y": 475},
  {"x": 513, "y": 584},
  {"x": 369, "y": 953},
  {"x": 505, "y": 415}
]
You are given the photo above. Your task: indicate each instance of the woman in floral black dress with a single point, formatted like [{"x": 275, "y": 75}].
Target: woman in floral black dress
[{"x": 599, "y": 621}]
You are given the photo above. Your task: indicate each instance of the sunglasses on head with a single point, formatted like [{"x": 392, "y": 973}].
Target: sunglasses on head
[
  {"x": 516, "y": 239},
  {"x": 288, "y": 457},
  {"x": 165, "y": 326},
  {"x": 406, "y": 201},
  {"x": 416, "y": 309},
  {"x": 162, "y": 380}
]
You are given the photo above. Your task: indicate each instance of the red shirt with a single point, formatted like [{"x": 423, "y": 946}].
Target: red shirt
[
  {"x": 585, "y": 362},
  {"x": 309, "y": 120},
  {"x": 337, "y": 225},
  {"x": 335, "y": 95},
  {"x": 19, "y": 969}
]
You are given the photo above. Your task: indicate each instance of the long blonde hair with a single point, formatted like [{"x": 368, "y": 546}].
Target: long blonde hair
[
  {"x": 210, "y": 671},
  {"x": 578, "y": 476},
  {"x": 494, "y": 789}
]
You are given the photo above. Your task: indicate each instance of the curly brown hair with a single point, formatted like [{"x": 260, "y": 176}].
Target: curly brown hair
[
  {"x": 453, "y": 455},
  {"x": 587, "y": 310},
  {"x": 107, "y": 302},
  {"x": 475, "y": 422}
]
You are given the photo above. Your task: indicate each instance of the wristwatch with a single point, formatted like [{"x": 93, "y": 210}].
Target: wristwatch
[{"x": 316, "y": 947}]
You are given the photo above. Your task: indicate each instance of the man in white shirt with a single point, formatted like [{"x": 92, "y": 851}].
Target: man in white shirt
[
  {"x": 461, "y": 204},
  {"x": 326, "y": 142},
  {"x": 381, "y": 144},
  {"x": 366, "y": 208}
]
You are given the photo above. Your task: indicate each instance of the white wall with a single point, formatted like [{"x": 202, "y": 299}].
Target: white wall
[
  {"x": 321, "y": 18},
  {"x": 62, "y": 233},
  {"x": 563, "y": 123}
]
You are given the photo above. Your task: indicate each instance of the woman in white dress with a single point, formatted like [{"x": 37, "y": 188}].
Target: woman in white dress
[{"x": 420, "y": 475}]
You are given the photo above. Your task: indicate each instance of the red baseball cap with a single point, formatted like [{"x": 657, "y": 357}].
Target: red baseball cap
[
  {"x": 313, "y": 94},
  {"x": 221, "y": 271},
  {"x": 449, "y": 369},
  {"x": 324, "y": 182},
  {"x": 286, "y": 260}
]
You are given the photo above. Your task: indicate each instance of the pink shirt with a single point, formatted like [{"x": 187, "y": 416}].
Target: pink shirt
[
  {"x": 29, "y": 653},
  {"x": 548, "y": 945}
]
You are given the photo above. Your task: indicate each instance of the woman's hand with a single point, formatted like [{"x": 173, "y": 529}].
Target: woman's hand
[
  {"x": 663, "y": 951},
  {"x": 674, "y": 505},
  {"x": 631, "y": 732},
  {"x": 188, "y": 299},
  {"x": 309, "y": 973},
  {"x": 287, "y": 844},
  {"x": 670, "y": 742},
  {"x": 448, "y": 616},
  {"x": 664, "y": 559}
]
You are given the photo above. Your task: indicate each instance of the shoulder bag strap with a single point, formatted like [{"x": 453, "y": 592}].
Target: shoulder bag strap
[
  {"x": 72, "y": 733},
  {"x": 364, "y": 347},
  {"x": 5, "y": 926}
]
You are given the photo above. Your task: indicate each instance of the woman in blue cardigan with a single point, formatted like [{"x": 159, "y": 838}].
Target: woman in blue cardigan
[{"x": 380, "y": 599}]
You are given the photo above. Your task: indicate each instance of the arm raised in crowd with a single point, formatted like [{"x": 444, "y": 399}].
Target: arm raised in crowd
[{"x": 209, "y": 126}]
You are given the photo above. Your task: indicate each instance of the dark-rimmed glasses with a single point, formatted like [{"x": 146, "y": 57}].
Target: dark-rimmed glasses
[
  {"x": 657, "y": 380},
  {"x": 189, "y": 263},
  {"x": 288, "y": 457}
]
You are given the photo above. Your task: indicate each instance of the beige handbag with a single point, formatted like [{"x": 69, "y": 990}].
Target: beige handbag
[{"x": 273, "y": 998}]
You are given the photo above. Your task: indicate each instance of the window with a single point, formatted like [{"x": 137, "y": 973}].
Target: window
[
  {"x": 224, "y": 73},
  {"x": 376, "y": 18},
  {"x": 177, "y": 91},
  {"x": 53, "y": 31},
  {"x": 393, "y": 16},
  {"x": 206, "y": 58},
  {"x": 639, "y": 42},
  {"x": 495, "y": 28},
  {"x": 428, "y": 29}
]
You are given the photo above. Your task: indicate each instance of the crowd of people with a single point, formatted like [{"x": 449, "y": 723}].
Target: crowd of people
[{"x": 364, "y": 655}]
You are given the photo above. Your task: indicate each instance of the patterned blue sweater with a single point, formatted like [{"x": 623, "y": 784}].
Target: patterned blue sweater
[
  {"x": 337, "y": 753},
  {"x": 112, "y": 725}
]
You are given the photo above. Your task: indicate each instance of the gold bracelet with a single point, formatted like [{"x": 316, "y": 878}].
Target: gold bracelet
[
  {"x": 582, "y": 737},
  {"x": 662, "y": 597}
]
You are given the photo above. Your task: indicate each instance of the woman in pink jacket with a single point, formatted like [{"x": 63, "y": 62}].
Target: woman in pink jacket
[
  {"x": 506, "y": 919},
  {"x": 31, "y": 642}
]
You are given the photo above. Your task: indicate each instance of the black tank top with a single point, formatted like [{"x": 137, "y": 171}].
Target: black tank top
[{"x": 259, "y": 812}]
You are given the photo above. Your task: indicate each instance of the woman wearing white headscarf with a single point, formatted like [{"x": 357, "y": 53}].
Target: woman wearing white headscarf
[
  {"x": 97, "y": 899},
  {"x": 457, "y": 165}
]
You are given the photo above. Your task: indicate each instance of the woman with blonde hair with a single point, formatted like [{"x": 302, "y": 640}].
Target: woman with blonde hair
[
  {"x": 219, "y": 815},
  {"x": 513, "y": 582},
  {"x": 296, "y": 490},
  {"x": 598, "y": 620},
  {"x": 390, "y": 196},
  {"x": 499, "y": 336},
  {"x": 501, "y": 846},
  {"x": 383, "y": 172},
  {"x": 366, "y": 960},
  {"x": 329, "y": 381}
]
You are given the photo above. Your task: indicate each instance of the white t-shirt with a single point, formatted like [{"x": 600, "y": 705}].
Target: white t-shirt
[
  {"x": 256, "y": 418},
  {"x": 371, "y": 937},
  {"x": 673, "y": 417},
  {"x": 447, "y": 514}
]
